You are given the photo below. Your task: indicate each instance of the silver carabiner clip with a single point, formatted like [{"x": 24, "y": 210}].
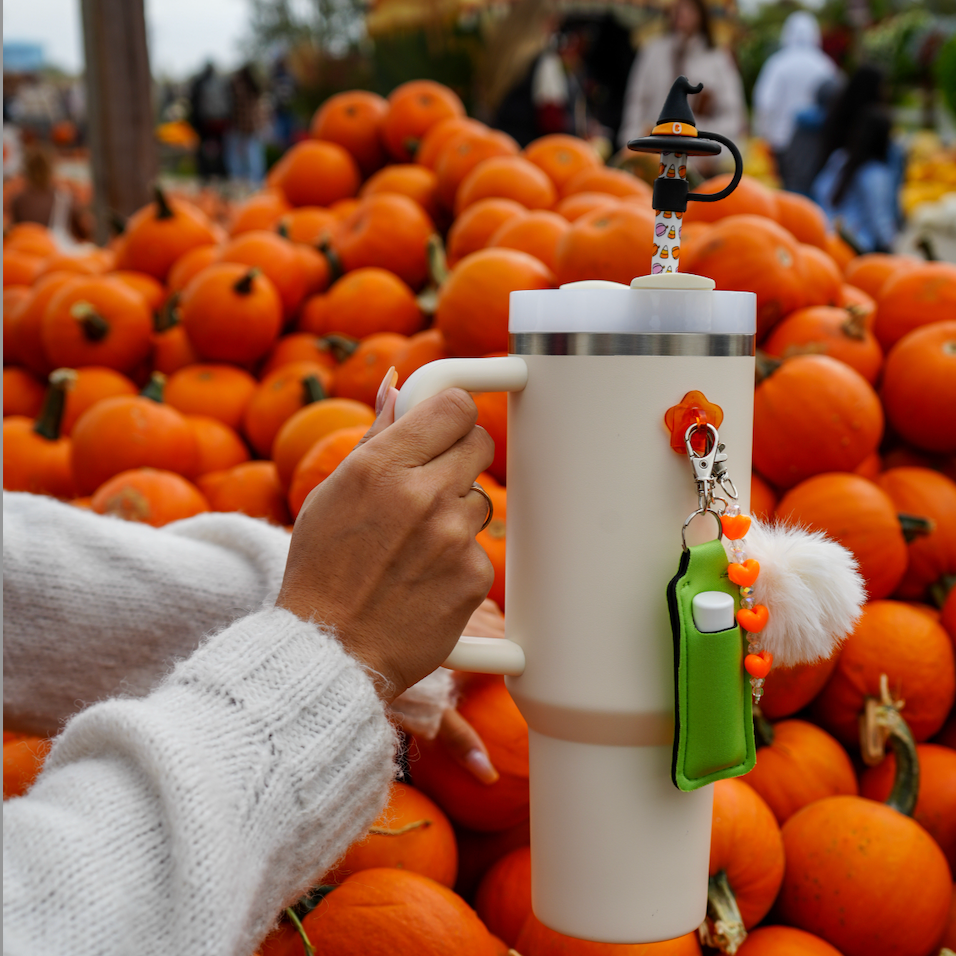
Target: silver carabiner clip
[{"x": 704, "y": 467}]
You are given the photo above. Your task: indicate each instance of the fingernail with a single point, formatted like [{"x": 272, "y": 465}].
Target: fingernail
[
  {"x": 478, "y": 763},
  {"x": 391, "y": 377}
]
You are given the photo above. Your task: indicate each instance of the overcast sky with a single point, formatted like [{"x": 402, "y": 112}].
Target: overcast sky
[{"x": 182, "y": 33}]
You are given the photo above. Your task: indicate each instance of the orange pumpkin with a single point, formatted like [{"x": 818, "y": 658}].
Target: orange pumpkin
[
  {"x": 614, "y": 243},
  {"x": 118, "y": 434},
  {"x": 421, "y": 348},
  {"x": 307, "y": 224},
  {"x": 388, "y": 231},
  {"x": 851, "y": 296},
  {"x": 537, "y": 234},
  {"x": 21, "y": 268},
  {"x": 860, "y": 516},
  {"x": 32, "y": 238},
  {"x": 936, "y": 802},
  {"x": 826, "y": 330},
  {"x": 462, "y": 153},
  {"x": 801, "y": 763},
  {"x": 27, "y": 331},
  {"x": 920, "y": 670},
  {"x": 260, "y": 211},
  {"x": 251, "y": 487},
  {"x": 149, "y": 495},
  {"x": 97, "y": 320},
  {"x": 311, "y": 424},
  {"x": 298, "y": 347},
  {"x": 477, "y": 224},
  {"x": 317, "y": 268},
  {"x": 14, "y": 299},
  {"x": 536, "y": 939},
  {"x": 928, "y": 494},
  {"x": 603, "y": 179},
  {"x": 411, "y": 834},
  {"x": 361, "y": 374},
  {"x": 914, "y": 297},
  {"x": 803, "y": 218},
  {"x": 870, "y": 272},
  {"x": 472, "y": 310},
  {"x": 789, "y": 689},
  {"x": 822, "y": 279},
  {"x": 278, "y": 397},
  {"x": 919, "y": 387},
  {"x": 314, "y": 173},
  {"x": 320, "y": 461},
  {"x": 813, "y": 414},
  {"x": 231, "y": 313},
  {"x": 22, "y": 763},
  {"x": 493, "y": 418},
  {"x": 353, "y": 120},
  {"x": 36, "y": 458},
  {"x": 218, "y": 447},
  {"x": 749, "y": 254},
  {"x": 488, "y": 707},
  {"x": 510, "y": 177},
  {"x": 370, "y": 300},
  {"x": 417, "y": 182},
  {"x": 434, "y": 140},
  {"x": 493, "y": 538},
  {"x": 22, "y": 393},
  {"x": 561, "y": 156},
  {"x": 172, "y": 350},
  {"x": 841, "y": 252},
  {"x": 784, "y": 941},
  {"x": 189, "y": 265},
  {"x": 574, "y": 207},
  {"x": 91, "y": 385},
  {"x": 763, "y": 499},
  {"x": 160, "y": 233},
  {"x": 503, "y": 900},
  {"x": 219, "y": 391},
  {"x": 413, "y": 109},
  {"x": 750, "y": 198},
  {"x": 276, "y": 258}
]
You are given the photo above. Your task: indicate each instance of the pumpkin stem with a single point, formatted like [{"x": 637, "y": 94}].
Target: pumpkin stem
[
  {"x": 766, "y": 365},
  {"x": 855, "y": 325},
  {"x": 414, "y": 825},
  {"x": 163, "y": 209},
  {"x": 915, "y": 526},
  {"x": 763, "y": 729},
  {"x": 283, "y": 230},
  {"x": 438, "y": 273},
  {"x": 881, "y": 721},
  {"x": 312, "y": 387},
  {"x": 723, "y": 928},
  {"x": 940, "y": 590},
  {"x": 341, "y": 346},
  {"x": 117, "y": 222},
  {"x": 47, "y": 424},
  {"x": 331, "y": 257},
  {"x": 95, "y": 327},
  {"x": 167, "y": 315},
  {"x": 927, "y": 248},
  {"x": 154, "y": 387},
  {"x": 300, "y": 929},
  {"x": 244, "y": 285}
]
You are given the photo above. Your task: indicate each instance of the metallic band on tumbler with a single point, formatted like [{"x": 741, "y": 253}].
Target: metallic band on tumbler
[{"x": 631, "y": 343}]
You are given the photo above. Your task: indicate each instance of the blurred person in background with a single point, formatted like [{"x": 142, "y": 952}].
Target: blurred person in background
[
  {"x": 688, "y": 49},
  {"x": 857, "y": 186},
  {"x": 788, "y": 83},
  {"x": 42, "y": 201},
  {"x": 210, "y": 108},
  {"x": 245, "y": 150},
  {"x": 282, "y": 91},
  {"x": 798, "y": 165}
]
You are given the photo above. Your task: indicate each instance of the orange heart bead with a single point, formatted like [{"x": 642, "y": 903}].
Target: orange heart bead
[
  {"x": 753, "y": 619},
  {"x": 735, "y": 526},
  {"x": 743, "y": 575},
  {"x": 758, "y": 665}
]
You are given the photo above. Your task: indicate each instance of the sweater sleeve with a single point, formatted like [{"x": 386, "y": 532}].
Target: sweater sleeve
[{"x": 182, "y": 822}]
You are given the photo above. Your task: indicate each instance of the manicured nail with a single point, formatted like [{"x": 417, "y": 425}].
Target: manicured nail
[
  {"x": 478, "y": 763},
  {"x": 391, "y": 377}
]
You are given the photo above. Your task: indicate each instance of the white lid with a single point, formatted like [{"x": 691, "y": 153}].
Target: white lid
[
  {"x": 600, "y": 306},
  {"x": 713, "y": 611}
]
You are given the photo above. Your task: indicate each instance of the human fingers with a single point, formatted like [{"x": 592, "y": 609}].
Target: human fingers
[
  {"x": 384, "y": 405},
  {"x": 461, "y": 464},
  {"x": 465, "y": 746},
  {"x": 430, "y": 428}
]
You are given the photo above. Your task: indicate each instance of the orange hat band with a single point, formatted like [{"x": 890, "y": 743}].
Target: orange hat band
[{"x": 675, "y": 129}]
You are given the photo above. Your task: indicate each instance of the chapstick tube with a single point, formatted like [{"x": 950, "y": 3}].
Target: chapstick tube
[{"x": 713, "y": 611}]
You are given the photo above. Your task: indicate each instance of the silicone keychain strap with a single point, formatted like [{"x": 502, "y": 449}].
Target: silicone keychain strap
[{"x": 713, "y": 733}]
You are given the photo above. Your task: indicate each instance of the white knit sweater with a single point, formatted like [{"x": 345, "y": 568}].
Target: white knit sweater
[{"x": 180, "y": 822}]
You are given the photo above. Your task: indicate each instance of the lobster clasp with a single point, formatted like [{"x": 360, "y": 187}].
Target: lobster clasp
[{"x": 705, "y": 464}]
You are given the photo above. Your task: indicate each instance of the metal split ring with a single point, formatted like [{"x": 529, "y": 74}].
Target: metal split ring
[
  {"x": 690, "y": 518},
  {"x": 491, "y": 508}
]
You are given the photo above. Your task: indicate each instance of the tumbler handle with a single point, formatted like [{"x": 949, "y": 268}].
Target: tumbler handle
[{"x": 481, "y": 655}]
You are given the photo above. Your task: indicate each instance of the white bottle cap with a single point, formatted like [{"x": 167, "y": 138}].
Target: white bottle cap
[{"x": 713, "y": 611}]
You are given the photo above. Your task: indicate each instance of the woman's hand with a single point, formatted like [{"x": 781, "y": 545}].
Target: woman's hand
[{"x": 384, "y": 549}]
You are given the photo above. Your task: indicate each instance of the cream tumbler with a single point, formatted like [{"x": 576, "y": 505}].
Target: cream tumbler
[{"x": 596, "y": 500}]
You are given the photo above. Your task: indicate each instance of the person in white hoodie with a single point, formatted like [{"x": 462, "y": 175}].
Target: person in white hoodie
[{"x": 788, "y": 82}]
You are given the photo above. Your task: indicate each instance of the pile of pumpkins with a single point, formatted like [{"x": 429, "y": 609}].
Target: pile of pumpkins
[{"x": 194, "y": 365}]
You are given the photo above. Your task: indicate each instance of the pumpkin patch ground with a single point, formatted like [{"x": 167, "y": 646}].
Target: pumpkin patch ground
[{"x": 199, "y": 365}]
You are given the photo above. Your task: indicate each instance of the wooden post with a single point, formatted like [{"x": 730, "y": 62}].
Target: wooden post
[{"x": 119, "y": 109}]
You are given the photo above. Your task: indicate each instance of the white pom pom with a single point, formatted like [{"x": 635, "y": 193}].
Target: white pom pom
[{"x": 811, "y": 587}]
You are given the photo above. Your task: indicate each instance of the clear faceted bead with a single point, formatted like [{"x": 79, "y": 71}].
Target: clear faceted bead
[
  {"x": 747, "y": 592},
  {"x": 747, "y": 602},
  {"x": 732, "y": 509},
  {"x": 738, "y": 555}
]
